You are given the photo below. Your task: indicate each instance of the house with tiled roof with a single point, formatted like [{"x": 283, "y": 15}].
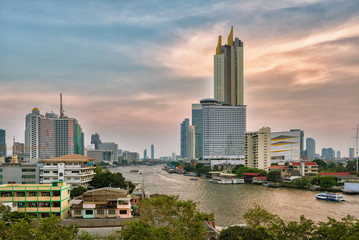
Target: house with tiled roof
[{"x": 310, "y": 168}]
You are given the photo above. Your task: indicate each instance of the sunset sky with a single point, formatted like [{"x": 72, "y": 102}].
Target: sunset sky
[{"x": 130, "y": 70}]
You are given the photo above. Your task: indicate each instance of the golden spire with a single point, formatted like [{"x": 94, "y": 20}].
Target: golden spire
[
  {"x": 219, "y": 45},
  {"x": 14, "y": 158},
  {"x": 230, "y": 37}
]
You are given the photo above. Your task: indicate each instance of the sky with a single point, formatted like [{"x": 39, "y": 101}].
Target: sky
[{"x": 130, "y": 70}]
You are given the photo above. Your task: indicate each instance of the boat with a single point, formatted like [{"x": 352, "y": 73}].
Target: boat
[
  {"x": 226, "y": 181},
  {"x": 330, "y": 197},
  {"x": 193, "y": 179},
  {"x": 134, "y": 170}
]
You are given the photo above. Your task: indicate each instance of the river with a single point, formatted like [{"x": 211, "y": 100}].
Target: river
[{"x": 230, "y": 202}]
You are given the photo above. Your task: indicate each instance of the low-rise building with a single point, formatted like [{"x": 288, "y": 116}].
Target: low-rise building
[
  {"x": 75, "y": 169},
  {"x": 284, "y": 170},
  {"x": 19, "y": 173},
  {"x": 102, "y": 203},
  {"x": 38, "y": 200},
  {"x": 310, "y": 168}
]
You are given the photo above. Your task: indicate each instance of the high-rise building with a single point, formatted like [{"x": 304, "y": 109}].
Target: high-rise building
[
  {"x": 224, "y": 127},
  {"x": 286, "y": 146},
  {"x": 152, "y": 152},
  {"x": 2, "y": 143},
  {"x": 228, "y": 71},
  {"x": 328, "y": 153},
  {"x": 325, "y": 153},
  {"x": 310, "y": 142},
  {"x": 258, "y": 149},
  {"x": 145, "y": 154},
  {"x": 95, "y": 139},
  {"x": 351, "y": 153},
  {"x": 191, "y": 145},
  {"x": 197, "y": 122},
  {"x": 338, "y": 155},
  {"x": 49, "y": 136},
  {"x": 110, "y": 146},
  {"x": 184, "y": 126}
]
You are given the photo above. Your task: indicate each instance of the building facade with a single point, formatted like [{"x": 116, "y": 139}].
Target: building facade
[
  {"x": 99, "y": 155},
  {"x": 304, "y": 168},
  {"x": 48, "y": 136},
  {"x": 191, "y": 144},
  {"x": 224, "y": 128},
  {"x": 152, "y": 152},
  {"x": 110, "y": 146},
  {"x": 19, "y": 173},
  {"x": 37, "y": 200},
  {"x": 286, "y": 146},
  {"x": 258, "y": 149},
  {"x": 3, "y": 151},
  {"x": 184, "y": 126},
  {"x": 102, "y": 203},
  {"x": 228, "y": 71},
  {"x": 351, "y": 153},
  {"x": 197, "y": 122},
  {"x": 95, "y": 140},
  {"x": 75, "y": 169},
  {"x": 310, "y": 143}
]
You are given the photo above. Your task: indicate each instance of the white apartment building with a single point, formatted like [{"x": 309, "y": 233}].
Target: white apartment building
[
  {"x": 74, "y": 169},
  {"x": 258, "y": 149}
]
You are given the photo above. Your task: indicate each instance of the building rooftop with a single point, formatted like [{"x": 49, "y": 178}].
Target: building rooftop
[
  {"x": 278, "y": 167},
  {"x": 250, "y": 174},
  {"x": 71, "y": 158},
  {"x": 306, "y": 163},
  {"x": 334, "y": 173}
]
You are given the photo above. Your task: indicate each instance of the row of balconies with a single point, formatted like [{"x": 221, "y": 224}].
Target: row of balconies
[{"x": 28, "y": 199}]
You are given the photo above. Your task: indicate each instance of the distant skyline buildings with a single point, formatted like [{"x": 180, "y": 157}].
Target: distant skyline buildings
[
  {"x": 152, "y": 152},
  {"x": 228, "y": 71},
  {"x": 110, "y": 146},
  {"x": 95, "y": 140},
  {"x": 3, "y": 150},
  {"x": 328, "y": 154},
  {"x": 310, "y": 148},
  {"x": 351, "y": 153},
  {"x": 145, "y": 154},
  {"x": 191, "y": 144},
  {"x": 184, "y": 126}
]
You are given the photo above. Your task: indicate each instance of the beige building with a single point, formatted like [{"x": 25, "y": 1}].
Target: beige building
[
  {"x": 75, "y": 169},
  {"x": 305, "y": 168},
  {"x": 191, "y": 147},
  {"x": 38, "y": 200},
  {"x": 258, "y": 148}
]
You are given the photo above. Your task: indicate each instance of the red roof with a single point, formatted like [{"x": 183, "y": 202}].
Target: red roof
[
  {"x": 306, "y": 163},
  {"x": 278, "y": 167},
  {"x": 250, "y": 174},
  {"x": 334, "y": 173},
  {"x": 260, "y": 178}
]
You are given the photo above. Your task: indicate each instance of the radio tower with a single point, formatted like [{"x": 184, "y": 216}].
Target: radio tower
[{"x": 62, "y": 112}]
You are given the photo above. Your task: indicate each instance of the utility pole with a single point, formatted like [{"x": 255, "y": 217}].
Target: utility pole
[{"x": 356, "y": 142}]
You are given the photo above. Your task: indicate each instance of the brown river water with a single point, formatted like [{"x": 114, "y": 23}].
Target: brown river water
[{"x": 230, "y": 202}]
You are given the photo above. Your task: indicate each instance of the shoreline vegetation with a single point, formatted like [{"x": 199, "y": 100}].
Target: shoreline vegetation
[{"x": 168, "y": 217}]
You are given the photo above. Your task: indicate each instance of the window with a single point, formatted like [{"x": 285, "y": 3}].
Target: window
[
  {"x": 111, "y": 211},
  {"x": 88, "y": 212},
  {"x": 28, "y": 176},
  {"x": 20, "y": 204},
  {"x": 101, "y": 212},
  {"x": 32, "y": 194},
  {"x": 46, "y": 171},
  {"x": 77, "y": 212},
  {"x": 20, "y": 194},
  {"x": 45, "y": 194},
  {"x": 123, "y": 211},
  {"x": 61, "y": 174},
  {"x": 28, "y": 170}
]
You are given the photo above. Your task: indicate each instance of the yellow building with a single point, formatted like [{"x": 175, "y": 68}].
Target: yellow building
[{"x": 38, "y": 200}]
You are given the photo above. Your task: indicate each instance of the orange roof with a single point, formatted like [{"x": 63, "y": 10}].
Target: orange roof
[
  {"x": 306, "y": 163},
  {"x": 278, "y": 167},
  {"x": 69, "y": 158},
  {"x": 260, "y": 178},
  {"x": 334, "y": 173},
  {"x": 250, "y": 174}
]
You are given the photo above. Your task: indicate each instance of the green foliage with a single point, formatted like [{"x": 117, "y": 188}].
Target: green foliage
[
  {"x": 320, "y": 163},
  {"x": 4, "y": 211},
  {"x": 77, "y": 191},
  {"x": 351, "y": 166},
  {"x": 241, "y": 170},
  {"x": 301, "y": 182},
  {"x": 167, "y": 217},
  {"x": 201, "y": 169},
  {"x": 237, "y": 232},
  {"x": 325, "y": 182},
  {"x": 274, "y": 176},
  {"x": 107, "y": 179},
  {"x": 188, "y": 167}
]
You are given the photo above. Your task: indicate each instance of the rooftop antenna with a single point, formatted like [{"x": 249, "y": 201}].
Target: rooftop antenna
[{"x": 61, "y": 108}]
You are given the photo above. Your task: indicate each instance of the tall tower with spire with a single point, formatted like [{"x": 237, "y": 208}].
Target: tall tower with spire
[{"x": 228, "y": 71}]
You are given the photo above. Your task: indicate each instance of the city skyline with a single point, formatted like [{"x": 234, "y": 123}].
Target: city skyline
[{"x": 130, "y": 71}]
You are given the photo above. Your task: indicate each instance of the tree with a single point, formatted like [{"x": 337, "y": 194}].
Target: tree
[
  {"x": 167, "y": 217},
  {"x": 351, "y": 166},
  {"x": 322, "y": 164},
  {"x": 274, "y": 176},
  {"x": 4, "y": 211},
  {"x": 237, "y": 232},
  {"x": 327, "y": 182},
  {"x": 57, "y": 232},
  {"x": 78, "y": 191},
  {"x": 301, "y": 182}
]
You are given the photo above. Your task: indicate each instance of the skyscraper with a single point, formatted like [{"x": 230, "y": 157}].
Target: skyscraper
[
  {"x": 257, "y": 148},
  {"x": 310, "y": 142},
  {"x": 228, "y": 71},
  {"x": 145, "y": 154},
  {"x": 191, "y": 145},
  {"x": 338, "y": 155},
  {"x": 152, "y": 152},
  {"x": 110, "y": 146},
  {"x": 351, "y": 153},
  {"x": 95, "y": 139},
  {"x": 197, "y": 122},
  {"x": 2, "y": 143},
  {"x": 223, "y": 129},
  {"x": 49, "y": 136},
  {"x": 184, "y": 126}
]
